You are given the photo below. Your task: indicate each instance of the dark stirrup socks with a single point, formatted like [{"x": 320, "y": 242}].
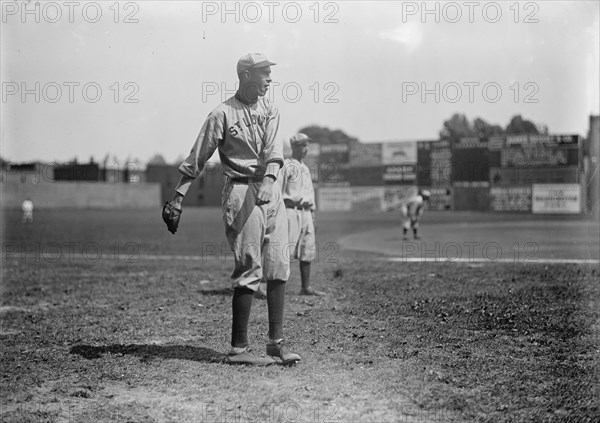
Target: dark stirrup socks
[
  {"x": 240, "y": 307},
  {"x": 275, "y": 303}
]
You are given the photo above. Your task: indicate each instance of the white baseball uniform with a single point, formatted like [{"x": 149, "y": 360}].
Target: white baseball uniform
[
  {"x": 27, "y": 208},
  {"x": 411, "y": 210},
  {"x": 299, "y": 199},
  {"x": 249, "y": 148}
]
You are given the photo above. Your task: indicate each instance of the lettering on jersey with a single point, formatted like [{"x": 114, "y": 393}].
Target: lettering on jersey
[{"x": 236, "y": 128}]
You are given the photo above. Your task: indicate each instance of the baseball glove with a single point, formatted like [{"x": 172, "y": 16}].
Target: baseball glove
[{"x": 171, "y": 216}]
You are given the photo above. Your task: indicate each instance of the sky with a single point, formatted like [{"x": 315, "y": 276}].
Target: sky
[{"x": 134, "y": 79}]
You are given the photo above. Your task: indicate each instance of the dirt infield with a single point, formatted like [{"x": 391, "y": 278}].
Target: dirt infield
[{"x": 107, "y": 317}]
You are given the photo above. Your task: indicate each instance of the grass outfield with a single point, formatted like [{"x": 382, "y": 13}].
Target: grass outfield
[{"x": 97, "y": 325}]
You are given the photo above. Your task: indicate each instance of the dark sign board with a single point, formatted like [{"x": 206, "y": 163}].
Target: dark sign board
[
  {"x": 470, "y": 198},
  {"x": 334, "y": 153},
  {"x": 534, "y": 150},
  {"x": 534, "y": 175},
  {"x": 434, "y": 166},
  {"x": 510, "y": 199},
  {"x": 540, "y": 155},
  {"x": 332, "y": 174},
  {"x": 365, "y": 176},
  {"x": 470, "y": 160},
  {"x": 401, "y": 174}
]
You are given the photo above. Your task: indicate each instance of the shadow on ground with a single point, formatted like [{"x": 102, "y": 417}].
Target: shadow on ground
[{"x": 148, "y": 353}]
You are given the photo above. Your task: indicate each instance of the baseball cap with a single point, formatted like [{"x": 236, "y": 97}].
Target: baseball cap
[
  {"x": 253, "y": 61},
  {"x": 425, "y": 194},
  {"x": 300, "y": 139}
]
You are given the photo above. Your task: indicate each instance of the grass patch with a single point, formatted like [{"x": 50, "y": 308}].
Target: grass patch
[{"x": 142, "y": 341}]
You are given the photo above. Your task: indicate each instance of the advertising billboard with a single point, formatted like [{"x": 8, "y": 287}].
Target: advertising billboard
[{"x": 556, "y": 198}]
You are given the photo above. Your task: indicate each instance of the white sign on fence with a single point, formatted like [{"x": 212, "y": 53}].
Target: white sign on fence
[{"x": 556, "y": 198}]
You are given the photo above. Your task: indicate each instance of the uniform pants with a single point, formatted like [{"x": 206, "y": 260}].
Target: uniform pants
[
  {"x": 257, "y": 235},
  {"x": 301, "y": 231},
  {"x": 409, "y": 219}
]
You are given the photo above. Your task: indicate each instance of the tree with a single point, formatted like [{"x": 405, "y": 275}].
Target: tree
[
  {"x": 157, "y": 159},
  {"x": 323, "y": 135},
  {"x": 486, "y": 130},
  {"x": 518, "y": 125},
  {"x": 457, "y": 127}
]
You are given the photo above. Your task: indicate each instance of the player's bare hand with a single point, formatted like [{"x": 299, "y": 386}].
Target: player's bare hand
[
  {"x": 265, "y": 192},
  {"x": 177, "y": 200}
]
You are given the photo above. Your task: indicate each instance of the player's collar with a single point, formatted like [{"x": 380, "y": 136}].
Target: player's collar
[{"x": 239, "y": 98}]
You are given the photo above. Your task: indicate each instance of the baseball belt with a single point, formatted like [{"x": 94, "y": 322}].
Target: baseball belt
[
  {"x": 245, "y": 180},
  {"x": 292, "y": 205}
]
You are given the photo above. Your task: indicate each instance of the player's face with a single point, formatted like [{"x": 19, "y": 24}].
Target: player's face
[
  {"x": 259, "y": 81},
  {"x": 300, "y": 151}
]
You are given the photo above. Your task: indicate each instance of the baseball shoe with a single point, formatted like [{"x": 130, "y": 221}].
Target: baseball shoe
[
  {"x": 311, "y": 291},
  {"x": 246, "y": 357},
  {"x": 280, "y": 353},
  {"x": 417, "y": 237},
  {"x": 405, "y": 238},
  {"x": 260, "y": 294}
]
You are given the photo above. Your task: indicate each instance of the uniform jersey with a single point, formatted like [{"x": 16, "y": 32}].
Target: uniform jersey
[
  {"x": 411, "y": 210},
  {"x": 245, "y": 135},
  {"x": 249, "y": 148},
  {"x": 27, "y": 206},
  {"x": 297, "y": 183},
  {"x": 414, "y": 205},
  {"x": 299, "y": 197}
]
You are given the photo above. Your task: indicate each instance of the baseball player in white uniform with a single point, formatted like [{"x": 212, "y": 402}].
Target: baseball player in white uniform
[
  {"x": 299, "y": 199},
  {"x": 411, "y": 211},
  {"x": 244, "y": 129},
  {"x": 27, "y": 208}
]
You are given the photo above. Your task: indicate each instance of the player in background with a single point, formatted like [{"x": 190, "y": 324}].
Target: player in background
[
  {"x": 299, "y": 199},
  {"x": 27, "y": 208},
  {"x": 244, "y": 129},
  {"x": 411, "y": 211}
]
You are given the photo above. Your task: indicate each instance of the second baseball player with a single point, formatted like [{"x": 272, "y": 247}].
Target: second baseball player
[{"x": 299, "y": 199}]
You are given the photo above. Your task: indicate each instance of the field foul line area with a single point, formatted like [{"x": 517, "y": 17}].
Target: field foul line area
[
  {"x": 489, "y": 261},
  {"x": 128, "y": 258}
]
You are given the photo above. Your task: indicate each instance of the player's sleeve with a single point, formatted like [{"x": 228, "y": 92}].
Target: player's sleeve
[
  {"x": 311, "y": 192},
  {"x": 273, "y": 145},
  {"x": 419, "y": 210},
  {"x": 284, "y": 175},
  {"x": 206, "y": 143}
]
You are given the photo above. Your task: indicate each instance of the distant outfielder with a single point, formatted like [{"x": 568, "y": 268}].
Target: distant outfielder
[
  {"x": 411, "y": 210},
  {"x": 244, "y": 129},
  {"x": 299, "y": 199},
  {"x": 27, "y": 208}
]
